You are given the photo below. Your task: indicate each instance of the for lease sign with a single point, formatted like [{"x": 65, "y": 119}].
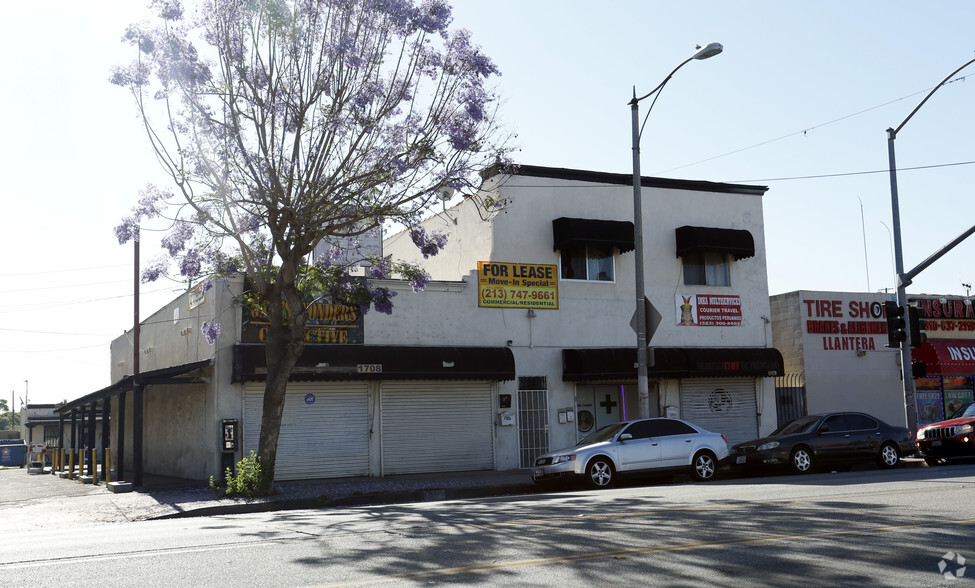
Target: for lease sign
[{"x": 517, "y": 285}]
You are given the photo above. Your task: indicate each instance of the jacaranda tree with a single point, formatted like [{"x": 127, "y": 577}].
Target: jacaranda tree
[{"x": 286, "y": 123}]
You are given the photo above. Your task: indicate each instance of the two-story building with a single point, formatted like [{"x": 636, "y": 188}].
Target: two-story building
[{"x": 522, "y": 342}]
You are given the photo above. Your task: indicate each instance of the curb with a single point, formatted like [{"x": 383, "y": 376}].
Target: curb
[{"x": 364, "y": 499}]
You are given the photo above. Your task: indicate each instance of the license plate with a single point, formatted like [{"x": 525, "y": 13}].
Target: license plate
[
  {"x": 935, "y": 443},
  {"x": 740, "y": 459}
]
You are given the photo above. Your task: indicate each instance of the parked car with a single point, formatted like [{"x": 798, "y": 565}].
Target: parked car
[
  {"x": 833, "y": 438},
  {"x": 647, "y": 445},
  {"x": 941, "y": 441}
]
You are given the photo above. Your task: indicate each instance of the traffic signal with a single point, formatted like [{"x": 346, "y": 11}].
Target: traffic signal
[
  {"x": 915, "y": 319},
  {"x": 919, "y": 369},
  {"x": 895, "y": 324}
]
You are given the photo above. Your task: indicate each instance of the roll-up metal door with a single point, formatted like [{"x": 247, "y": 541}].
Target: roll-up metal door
[
  {"x": 724, "y": 406},
  {"x": 437, "y": 427},
  {"x": 324, "y": 429}
]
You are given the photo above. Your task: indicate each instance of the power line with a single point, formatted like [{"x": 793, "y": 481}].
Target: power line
[
  {"x": 860, "y": 173},
  {"x": 807, "y": 130}
]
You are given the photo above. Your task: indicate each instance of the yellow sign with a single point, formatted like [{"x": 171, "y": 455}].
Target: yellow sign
[{"x": 517, "y": 285}]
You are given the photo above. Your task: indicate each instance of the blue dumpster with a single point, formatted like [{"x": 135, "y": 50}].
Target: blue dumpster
[{"x": 13, "y": 452}]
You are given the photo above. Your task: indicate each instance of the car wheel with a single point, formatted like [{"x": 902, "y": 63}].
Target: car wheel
[
  {"x": 801, "y": 460},
  {"x": 599, "y": 473},
  {"x": 704, "y": 466},
  {"x": 889, "y": 456}
]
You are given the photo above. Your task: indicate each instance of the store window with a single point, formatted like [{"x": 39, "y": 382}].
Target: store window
[
  {"x": 588, "y": 262},
  {"x": 957, "y": 392},
  {"x": 706, "y": 268}
]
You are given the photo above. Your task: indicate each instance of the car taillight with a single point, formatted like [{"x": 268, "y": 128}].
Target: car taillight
[{"x": 725, "y": 438}]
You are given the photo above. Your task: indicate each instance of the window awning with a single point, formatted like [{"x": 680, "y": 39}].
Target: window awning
[
  {"x": 382, "y": 362},
  {"x": 583, "y": 231},
  {"x": 672, "y": 362},
  {"x": 735, "y": 242},
  {"x": 947, "y": 357}
]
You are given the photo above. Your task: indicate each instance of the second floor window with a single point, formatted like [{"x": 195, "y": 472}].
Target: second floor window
[
  {"x": 706, "y": 268},
  {"x": 588, "y": 262}
]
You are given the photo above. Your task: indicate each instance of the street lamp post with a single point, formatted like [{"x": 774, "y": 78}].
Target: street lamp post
[
  {"x": 643, "y": 387},
  {"x": 905, "y": 279}
]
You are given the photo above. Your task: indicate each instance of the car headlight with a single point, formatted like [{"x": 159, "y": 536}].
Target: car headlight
[
  {"x": 920, "y": 434},
  {"x": 767, "y": 446},
  {"x": 965, "y": 429},
  {"x": 563, "y": 458}
]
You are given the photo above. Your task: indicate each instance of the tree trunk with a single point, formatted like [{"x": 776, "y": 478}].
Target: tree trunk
[{"x": 285, "y": 342}]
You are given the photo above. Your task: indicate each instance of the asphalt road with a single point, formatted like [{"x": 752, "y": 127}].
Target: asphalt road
[{"x": 860, "y": 528}]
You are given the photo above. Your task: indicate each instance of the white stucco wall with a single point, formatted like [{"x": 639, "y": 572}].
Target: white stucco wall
[
  {"x": 590, "y": 314},
  {"x": 844, "y": 369}
]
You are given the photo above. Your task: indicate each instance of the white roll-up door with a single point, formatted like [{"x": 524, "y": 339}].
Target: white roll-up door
[
  {"x": 724, "y": 406},
  {"x": 436, "y": 427},
  {"x": 324, "y": 429}
]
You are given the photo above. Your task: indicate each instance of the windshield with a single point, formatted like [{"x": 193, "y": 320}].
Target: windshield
[
  {"x": 604, "y": 434},
  {"x": 800, "y": 425},
  {"x": 965, "y": 410}
]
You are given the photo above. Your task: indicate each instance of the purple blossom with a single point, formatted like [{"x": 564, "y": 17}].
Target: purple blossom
[
  {"x": 433, "y": 16},
  {"x": 210, "y": 331},
  {"x": 382, "y": 300},
  {"x": 420, "y": 281},
  {"x": 176, "y": 240},
  {"x": 428, "y": 246},
  {"x": 168, "y": 9},
  {"x": 190, "y": 265},
  {"x": 155, "y": 270}
]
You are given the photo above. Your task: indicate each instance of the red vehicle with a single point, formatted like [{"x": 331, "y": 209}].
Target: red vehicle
[{"x": 954, "y": 437}]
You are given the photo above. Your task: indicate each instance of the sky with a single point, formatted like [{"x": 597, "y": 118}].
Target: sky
[{"x": 799, "y": 101}]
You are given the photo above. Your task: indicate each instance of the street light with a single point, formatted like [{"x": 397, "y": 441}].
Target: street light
[
  {"x": 643, "y": 388},
  {"x": 904, "y": 279}
]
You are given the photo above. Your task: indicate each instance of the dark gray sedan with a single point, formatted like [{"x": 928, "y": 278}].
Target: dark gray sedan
[{"x": 832, "y": 438}]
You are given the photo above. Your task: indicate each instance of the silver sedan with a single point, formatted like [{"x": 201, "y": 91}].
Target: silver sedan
[{"x": 646, "y": 445}]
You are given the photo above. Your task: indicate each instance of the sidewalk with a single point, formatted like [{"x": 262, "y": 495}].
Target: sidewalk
[{"x": 37, "y": 501}]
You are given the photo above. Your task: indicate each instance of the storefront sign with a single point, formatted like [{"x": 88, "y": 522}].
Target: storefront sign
[
  {"x": 196, "y": 296},
  {"x": 846, "y": 324},
  {"x": 708, "y": 310},
  {"x": 327, "y": 324},
  {"x": 947, "y": 318},
  {"x": 517, "y": 285}
]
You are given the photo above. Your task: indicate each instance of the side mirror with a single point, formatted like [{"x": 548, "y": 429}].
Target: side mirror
[{"x": 625, "y": 437}]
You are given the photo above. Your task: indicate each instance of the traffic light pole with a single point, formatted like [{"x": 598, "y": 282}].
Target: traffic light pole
[
  {"x": 907, "y": 373},
  {"x": 903, "y": 280}
]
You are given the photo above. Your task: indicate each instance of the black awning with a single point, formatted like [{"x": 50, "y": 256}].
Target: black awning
[
  {"x": 170, "y": 375},
  {"x": 582, "y": 231},
  {"x": 580, "y": 365},
  {"x": 382, "y": 362},
  {"x": 735, "y": 242}
]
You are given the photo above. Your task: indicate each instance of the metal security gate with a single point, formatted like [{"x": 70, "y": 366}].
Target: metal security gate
[
  {"x": 532, "y": 420},
  {"x": 436, "y": 427},
  {"x": 324, "y": 429},
  {"x": 725, "y": 406},
  {"x": 790, "y": 397}
]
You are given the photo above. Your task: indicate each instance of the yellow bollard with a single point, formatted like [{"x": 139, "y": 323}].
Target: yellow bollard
[
  {"x": 108, "y": 466},
  {"x": 71, "y": 464}
]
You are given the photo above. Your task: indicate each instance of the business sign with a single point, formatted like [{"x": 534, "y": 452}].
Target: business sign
[
  {"x": 947, "y": 318},
  {"x": 326, "y": 324},
  {"x": 517, "y": 285},
  {"x": 845, "y": 322},
  {"x": 708, "y": 310}
]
